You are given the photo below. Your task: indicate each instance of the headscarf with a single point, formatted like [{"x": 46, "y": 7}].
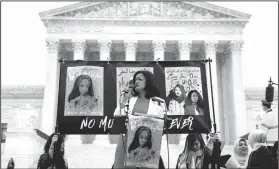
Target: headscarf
[
  {"x": 257, "y": 138},
  {"x": 240, "y": 158},
  {"x": 189, "y": 159}
]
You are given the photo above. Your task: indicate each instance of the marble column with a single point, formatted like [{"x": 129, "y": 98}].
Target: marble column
[
  {"x": 159, "y": 49},
  {"x": 184, "y": 49},
  {"x": 236, "y": 91},
  {"x": 224, "y": 116},
  {"x": 210, "y": 52},
  {"x": 79, "y": 48},
  {"x": 105, "y": 48},
  {"x": 130, "y": 50},
  {"x": 51, "y": 87}
]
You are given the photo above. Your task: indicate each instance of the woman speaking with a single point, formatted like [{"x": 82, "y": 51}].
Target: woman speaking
[{"x": 144, "y": 99}]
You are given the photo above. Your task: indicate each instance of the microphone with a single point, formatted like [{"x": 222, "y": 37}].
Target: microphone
[
  {"x": 128, "y": 90},
  {"x": 124, "y": 92}
]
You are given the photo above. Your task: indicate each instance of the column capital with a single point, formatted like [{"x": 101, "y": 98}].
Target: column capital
[
  {"x": 104, "y": 45},
  {"x": 62, "y": 52},
  {"x": 158, "y": 45},
  {"x": 79, "y": 45},
  {"x": 130, "y": 45},
  {"x": 210, "y": 46},
  {"x": 52, "y": 45},
  {"x": 185, "y": 45},
  {"x": 105, "y": 48},
  {"x": 236, "y": 46}
]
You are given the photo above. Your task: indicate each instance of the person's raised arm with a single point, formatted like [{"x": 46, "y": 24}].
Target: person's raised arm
[{"x": 51, "y": 148}]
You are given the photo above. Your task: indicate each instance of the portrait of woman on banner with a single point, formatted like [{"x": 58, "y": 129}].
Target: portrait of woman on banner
[
  {"x": 175, "y": 100},
  {"x": 145, "y": 100},
  {"x": 81, "y": 100},
  {"x": 194, "y": 103},
  {"x": 140, "y": 150}
]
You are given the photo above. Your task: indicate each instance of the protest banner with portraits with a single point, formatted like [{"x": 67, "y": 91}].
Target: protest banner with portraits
[{"x": 90, "y": 91}]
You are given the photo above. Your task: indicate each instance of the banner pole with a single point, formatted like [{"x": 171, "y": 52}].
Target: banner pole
[
  {"x": 216, "y": 143},
  {"x": 56, "y": 125},
  {"x": 56, "y": 130},
  {"x": 212, "y": 101}
]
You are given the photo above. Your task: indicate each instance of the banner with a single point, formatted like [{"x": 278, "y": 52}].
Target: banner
[
  {"x": 144, "y": 141},
  {"x": 89, "y": 94}
]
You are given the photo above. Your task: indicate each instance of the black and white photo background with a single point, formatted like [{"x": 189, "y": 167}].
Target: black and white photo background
[{"x": 98, "y": 85}]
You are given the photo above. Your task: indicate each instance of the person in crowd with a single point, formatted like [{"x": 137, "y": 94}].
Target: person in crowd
[
  {"x": 144, "y": 99},
  {"x": 175, "y": 100},
  {"x": 81, "y": 99},
  {"x": 196, "y": 154},
  {"x": 241, "y": 152},
  {"x": 53, "y": 156},
  {"x": 260, "y": 156},
  {"x": 194, "y": 103},
  {"x": 269, "y": 123},
  {"x": 11, "y": 164}
]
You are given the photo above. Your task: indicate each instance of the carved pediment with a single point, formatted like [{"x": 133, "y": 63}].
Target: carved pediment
[{"x": 185, "y": 10}]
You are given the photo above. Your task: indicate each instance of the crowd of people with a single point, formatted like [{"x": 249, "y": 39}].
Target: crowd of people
[{"x": 198, "y": 153}]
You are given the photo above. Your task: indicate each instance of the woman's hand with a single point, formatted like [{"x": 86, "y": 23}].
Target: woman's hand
[
  {"x": 125, "y": 96},
  {"x": 51, "y": 148},
  {"x": 212, "y": 138},
  {"x": 216, "y": 136},
  {"x": 54, "y": 139}
]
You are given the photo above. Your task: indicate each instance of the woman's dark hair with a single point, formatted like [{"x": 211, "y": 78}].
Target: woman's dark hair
[
  {"x": 11, "y": 164},
  {"x": 58, "y": 154},
  {"x": 150, "y": 87},
  {"x": 189, "y": 102},
  {"x": 190, "y": 140},
  {"x": 135, "y": 143},
  {"x": 192, "y": 137},
  {"x": 75, "y": 92},
  {"x": 172, "y": 95}
]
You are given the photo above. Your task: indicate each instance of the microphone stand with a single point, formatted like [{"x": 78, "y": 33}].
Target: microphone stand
[
  {"x": 126, "y": 110},
  {"x": 54, "y": 146}
]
